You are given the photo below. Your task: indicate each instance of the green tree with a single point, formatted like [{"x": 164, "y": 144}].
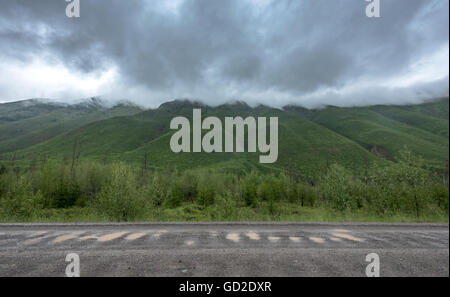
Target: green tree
[{"x": 120, "y": 200}]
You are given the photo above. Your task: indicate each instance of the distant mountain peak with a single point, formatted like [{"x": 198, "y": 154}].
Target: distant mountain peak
[{"x": 181, "y": 103}]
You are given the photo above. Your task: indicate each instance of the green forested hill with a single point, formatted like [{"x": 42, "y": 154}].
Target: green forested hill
[
  {"x": 29, "y": 122},
  {"x": 431, "y": 117},
  {"x": 308, "y": 139},
  {"x": 385, "y": 130},
  {"x": 302, "y": 144}
]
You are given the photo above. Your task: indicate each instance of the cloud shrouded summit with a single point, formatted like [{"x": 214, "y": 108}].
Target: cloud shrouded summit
[{"x": 308, "y": 52}]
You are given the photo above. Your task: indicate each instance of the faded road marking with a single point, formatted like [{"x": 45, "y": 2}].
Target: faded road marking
[
  {"x": 253, "y": 235},
  {"x": 348, "y": 236},
  {"x": 156, "y": 235},
  {"x": 341, "y": 230},
  {"x": 39, "y": 233},
  {"x": 317, "y": 239},
  {"x": 33, "y": 240},
  {"x": 233, "y": 237},
  {"x": 111, "y": 236},
  {"x": 273, "y": 238},
  {"x": 88, "y": 237},
  {"x": 66, "y": 237},
  {"x": 134, "y": 236},
  {"x": 335, "y": 239},
  {"x": 189, "y": 242},
  {"x": 294, "y": 239}
]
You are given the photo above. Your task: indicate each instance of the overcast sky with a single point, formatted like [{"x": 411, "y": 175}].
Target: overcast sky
[{"x": 308, "y": 52}]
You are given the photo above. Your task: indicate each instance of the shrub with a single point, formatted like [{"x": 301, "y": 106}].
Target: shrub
[
  {"x": 439, "y": 194},
  {"x": 249, "y": 189},
  {"x": 183, "y": 189},
  {"x": 206, "y": 195},
  {"x": 336, "y": 188},
  {"x": 273, "y": 188},
  {"x": 120, "y": 199},
  {"x": 20, "y": 201},
  {"x": 2, "y": 169},
  {"x": 59, "y": 188}
]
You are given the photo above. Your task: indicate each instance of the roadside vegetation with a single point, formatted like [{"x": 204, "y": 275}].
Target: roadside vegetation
[{"x": 91, "y": 191}]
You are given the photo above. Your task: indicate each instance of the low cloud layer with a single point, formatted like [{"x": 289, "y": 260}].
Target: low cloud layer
[{"x": 306, "y": 52}]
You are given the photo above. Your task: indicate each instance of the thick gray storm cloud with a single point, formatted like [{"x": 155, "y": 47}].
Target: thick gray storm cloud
[{"x": 308, "y": 52}]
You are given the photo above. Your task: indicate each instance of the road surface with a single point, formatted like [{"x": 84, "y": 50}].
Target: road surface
[{"x": 224, "y": 249}]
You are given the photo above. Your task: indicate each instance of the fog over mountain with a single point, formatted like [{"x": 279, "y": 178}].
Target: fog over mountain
[{"x": 305, "y": 52}]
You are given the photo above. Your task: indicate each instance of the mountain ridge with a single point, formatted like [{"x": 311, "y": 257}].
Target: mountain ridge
[{"x": 308, "y": 138}]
